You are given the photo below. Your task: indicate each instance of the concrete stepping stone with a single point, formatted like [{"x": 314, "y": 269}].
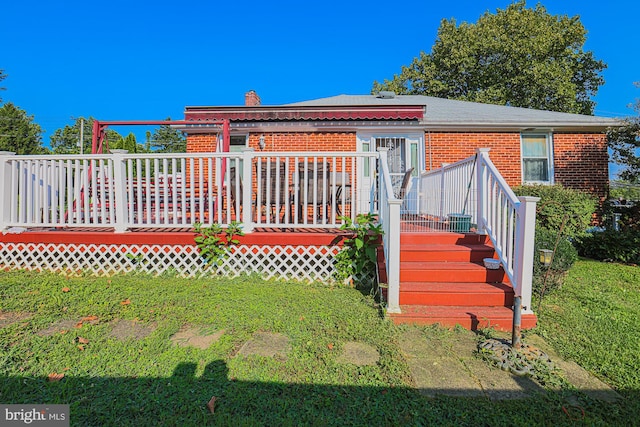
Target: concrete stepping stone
[
  {"x": 10, "y": 317},
  {"x": 359, "y": 354},
  {"x": 127, "y": 329},
  {"x": 196, "y": 336},
  {"x": 66, "y": 325},
  {"x": 266, "y": 344}
]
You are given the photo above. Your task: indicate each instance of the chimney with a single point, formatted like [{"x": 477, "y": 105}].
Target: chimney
[{"x": 251, "y": 99}]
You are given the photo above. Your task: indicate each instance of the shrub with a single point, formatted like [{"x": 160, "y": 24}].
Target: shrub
[
  {"x": 557, "y": 203},
  {"x": 609, "y": 245},
  {"x": 563, "y": 258},
  {"x": 629, "y": 215}
]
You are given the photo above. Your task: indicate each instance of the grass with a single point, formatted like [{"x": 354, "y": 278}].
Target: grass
[
  {"x": 150, "y": 381},
  {"x": 594, "y": 319}
]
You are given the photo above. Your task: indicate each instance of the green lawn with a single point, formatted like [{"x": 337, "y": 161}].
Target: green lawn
[
  {"x": 594, "y": 319},
  {"x": 151, "y": 381}
]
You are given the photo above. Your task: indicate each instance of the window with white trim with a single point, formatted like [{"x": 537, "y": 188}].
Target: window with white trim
[{"x": 537, "y": 161}]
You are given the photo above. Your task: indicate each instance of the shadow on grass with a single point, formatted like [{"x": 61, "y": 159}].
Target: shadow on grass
[{"x": 181, "y": 400}]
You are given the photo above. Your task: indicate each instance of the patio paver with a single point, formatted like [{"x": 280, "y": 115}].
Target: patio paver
[
  {"x": 266, "y": 344},
  {"x": 359, "y": 354},
  {"x": 126, "y": 329},
  {"x": 196, "y": 336}
]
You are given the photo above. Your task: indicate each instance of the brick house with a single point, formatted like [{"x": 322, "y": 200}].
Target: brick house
[{"x": 527, "y": 146}]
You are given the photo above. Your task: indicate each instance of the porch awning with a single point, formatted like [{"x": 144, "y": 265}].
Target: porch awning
[{"x": 293, "y": 113}]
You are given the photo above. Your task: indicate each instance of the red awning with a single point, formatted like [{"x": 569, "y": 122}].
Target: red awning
[{"x": 268, "y": 114}]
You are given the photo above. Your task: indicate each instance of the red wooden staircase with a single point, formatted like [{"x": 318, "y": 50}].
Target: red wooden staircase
[{"x": 443, "y": 280}]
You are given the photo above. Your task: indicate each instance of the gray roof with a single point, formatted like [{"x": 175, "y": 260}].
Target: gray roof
[{"x": 449, "y": 114}]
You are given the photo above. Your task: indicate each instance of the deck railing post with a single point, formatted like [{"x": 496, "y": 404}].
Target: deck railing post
[
  {"x": 481, "y": 188},
  {"x": 247, "y": 181},
  {"x": 443, "y": 190},
  {"x": 6, "y": 192},
  {"x": 393, "y": 261},
  {"x": 524, "y": 250},
  {"x": 120, "y": 190}
]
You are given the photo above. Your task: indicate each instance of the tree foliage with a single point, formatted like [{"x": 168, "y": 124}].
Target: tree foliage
[
  {"x": 65, "y": 140},
  {"x": 519, "y": 56},
  {"x": 624, "y": 142},
  {"x": 166, "y": 139},
  {"x": 18, "y": 132}
]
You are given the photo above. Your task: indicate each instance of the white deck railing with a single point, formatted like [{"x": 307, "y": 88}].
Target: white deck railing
[
  {"x": 475, "y": 188},
  {"x": 124, "y": 191},
  {"x": 389, "y": 217}
]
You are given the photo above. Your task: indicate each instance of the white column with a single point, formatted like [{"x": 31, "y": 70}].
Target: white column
[
  {"x": 247, "y": 182},
  {"x": 5, "y": 188},
  {"x": 393, "y": 257},
  {"x": 481, "y": 188},
  {"x": 120, "y": 189},
  {"x": 524, "y": 250}
]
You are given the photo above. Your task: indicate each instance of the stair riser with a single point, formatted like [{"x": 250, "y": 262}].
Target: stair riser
[
  {"x": 454, "y": 276},
  {"x": 473, "y": 324},
  {"x": 454, "y": 256},
  {"x": 456, "y": 299},
  {"x": 442, "y": 239}
]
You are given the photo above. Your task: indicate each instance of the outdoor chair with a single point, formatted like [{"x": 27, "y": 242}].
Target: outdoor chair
[
  {"x": 273, "y": 195},
  {"x": 314, "y": 187},
  {"x": 405, "y": 187}
]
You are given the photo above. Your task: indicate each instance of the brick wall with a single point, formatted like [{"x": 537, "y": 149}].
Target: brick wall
[
  {"x": 449, "y": 147},
  {"x": 582, "y": 162}
]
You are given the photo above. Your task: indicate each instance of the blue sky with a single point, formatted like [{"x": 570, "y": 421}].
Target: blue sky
[{"x": 143, "y": 60}]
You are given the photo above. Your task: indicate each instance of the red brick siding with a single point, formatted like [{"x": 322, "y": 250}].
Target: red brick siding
[
  {"x": 582, "y": 162},
  {"x": 449, "y": 147}
]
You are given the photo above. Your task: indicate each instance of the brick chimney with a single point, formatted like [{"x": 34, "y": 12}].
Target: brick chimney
[{"x": 251, "y": 99}]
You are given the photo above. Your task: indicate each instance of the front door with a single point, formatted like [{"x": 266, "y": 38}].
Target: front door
[{"x": 404, "y": 152}]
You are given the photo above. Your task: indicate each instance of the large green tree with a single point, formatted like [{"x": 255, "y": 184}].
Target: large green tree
[
  {"x": 166, "y": 139},
  {"x": 18, "y": 132},
  {"x": 65, "y": 140},
  {"x": 624, "y": 142},
  {"x": 519, "y": 56}
]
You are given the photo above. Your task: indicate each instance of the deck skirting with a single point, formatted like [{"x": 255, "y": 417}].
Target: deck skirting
[{"x": 284, "y": 257}]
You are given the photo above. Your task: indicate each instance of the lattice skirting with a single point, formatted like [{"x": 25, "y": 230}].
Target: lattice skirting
[{"x": 308, "y": 263}]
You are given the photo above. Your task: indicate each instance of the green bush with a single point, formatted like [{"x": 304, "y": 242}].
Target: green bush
[
  {"x": 629, "y": 215},
  {"x": 547, "y": 279},
  {"x": 609, "y": 245},
  {"x": 557, "y": 203}
]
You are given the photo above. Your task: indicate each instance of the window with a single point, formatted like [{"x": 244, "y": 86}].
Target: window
[{"x": 537, "y": 165}]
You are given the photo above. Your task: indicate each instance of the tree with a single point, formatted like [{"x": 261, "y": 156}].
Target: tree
[
  {"x": 166, "y": 139},
  {"x": 65, "y": 140},
  {"x": 18, "y": 132},
  {"x": 624, "y": 142},
  {"x": 518, "y": 56}
]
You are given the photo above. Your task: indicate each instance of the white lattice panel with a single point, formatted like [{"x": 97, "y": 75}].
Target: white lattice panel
[{"x": 281, "y": 262}]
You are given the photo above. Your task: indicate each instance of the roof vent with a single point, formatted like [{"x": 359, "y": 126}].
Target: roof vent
[{"x": 386, "y": 94}]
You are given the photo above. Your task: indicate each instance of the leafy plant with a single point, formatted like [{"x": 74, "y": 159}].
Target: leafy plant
[
  {"x": 564, "y": 256},
  {"x": 609, "y": 245},
  {"x": 560, "y": 205},
  {"x": 357, "y": 259},
  {"x": 214, "y": 241}
]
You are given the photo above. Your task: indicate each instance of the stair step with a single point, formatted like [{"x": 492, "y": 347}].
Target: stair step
[
  {"x": 443, "y": 238},
  {"x": 455, "y": 272},
  {"x": 446, "y": 252},
  {"x": 456, "y": 294},
  {"x": 469, "y": 317}
]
